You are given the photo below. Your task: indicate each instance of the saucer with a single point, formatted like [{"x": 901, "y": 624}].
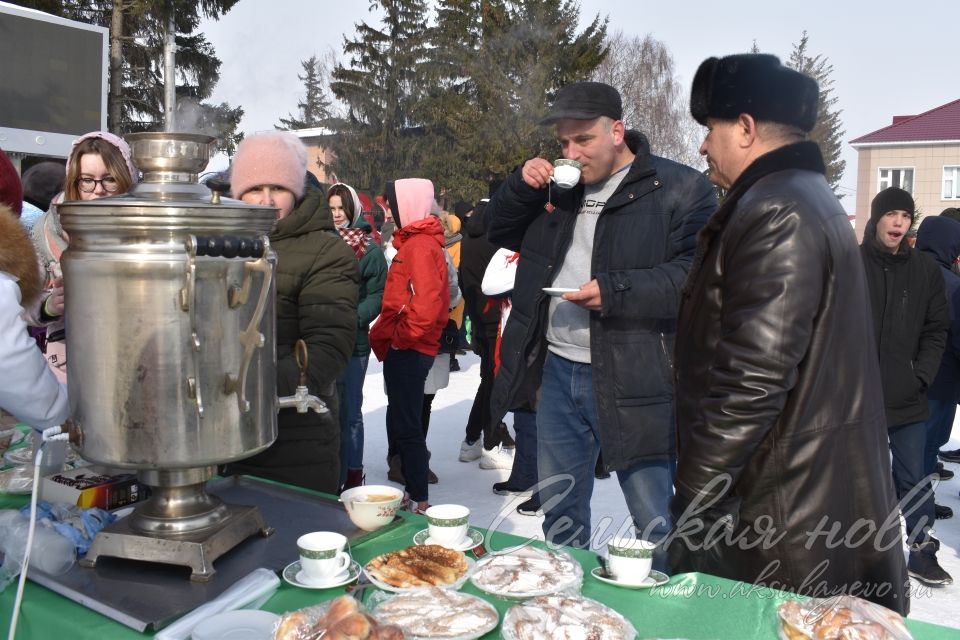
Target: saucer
[
  {"x": 556, "y": 292},
  {"x": 473, "y": 539},
  {"x": 294, "y": 575},
  {"x": 655, "y": 579},
  {"x": 239, "y": 624}
]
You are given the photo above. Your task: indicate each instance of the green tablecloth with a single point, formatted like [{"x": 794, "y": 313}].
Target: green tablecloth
[{"x": 694, "y": 606}]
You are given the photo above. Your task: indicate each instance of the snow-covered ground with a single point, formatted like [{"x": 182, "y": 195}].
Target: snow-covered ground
[{"x": 466, "y": 483}]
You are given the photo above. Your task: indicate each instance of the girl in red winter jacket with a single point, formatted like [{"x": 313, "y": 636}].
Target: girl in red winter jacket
[{"x": 406, "y": 337}]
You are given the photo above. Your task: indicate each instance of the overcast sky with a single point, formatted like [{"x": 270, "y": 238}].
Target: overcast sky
[{"x": 889, "y": 58}]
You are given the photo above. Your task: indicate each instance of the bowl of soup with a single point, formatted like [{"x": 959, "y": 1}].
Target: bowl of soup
[{"x": 371, "y": 506}]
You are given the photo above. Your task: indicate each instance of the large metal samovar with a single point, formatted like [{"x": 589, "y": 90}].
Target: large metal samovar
[{"x": 172, "y": 353}]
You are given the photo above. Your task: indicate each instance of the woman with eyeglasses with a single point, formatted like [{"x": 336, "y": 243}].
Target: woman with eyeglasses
[{"x": 99, "y": 165}]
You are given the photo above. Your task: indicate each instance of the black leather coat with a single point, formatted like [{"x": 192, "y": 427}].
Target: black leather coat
[
  {"x": 778, "y": 387},
  {"x": 644, "y": 242}
]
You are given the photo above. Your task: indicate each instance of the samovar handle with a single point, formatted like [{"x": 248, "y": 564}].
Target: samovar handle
[
  {"x": 229, "y": 247},
  {"x": 188, "y": 297},
  {"x": 251, "y": 338}
]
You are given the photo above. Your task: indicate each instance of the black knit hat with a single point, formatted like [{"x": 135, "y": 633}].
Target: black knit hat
[
  {"x": 585, "y": 101},
  {"x": 757, "y": 84},
  {"x": 891, "y": 199}
]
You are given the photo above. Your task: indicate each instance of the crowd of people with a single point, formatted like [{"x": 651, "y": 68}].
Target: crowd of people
[{"x": 688, "y": 342}]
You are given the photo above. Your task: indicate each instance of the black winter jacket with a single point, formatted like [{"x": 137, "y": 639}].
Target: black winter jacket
[
  {"x": 778, "y": 392},
  {"x": 644, "y": 243},
  {"x": 939, "y": 237},
  {"x": 910, "y": 322}
]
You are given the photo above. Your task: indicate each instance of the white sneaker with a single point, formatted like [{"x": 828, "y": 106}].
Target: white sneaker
[
  {"x": 470, "y": 452},
  {"x": 497, "y": 458}
]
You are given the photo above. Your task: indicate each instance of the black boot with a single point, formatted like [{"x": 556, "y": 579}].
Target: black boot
[
  {"x": 355, "y": 478},
  {"x": 924, "y": 567},
  {"x": 393, "y": 473},
  {"x": 950, "y": 456},
  {"x": 530, "y": 507},
  {"x": 501, "y": 436},
  {"x": 600, "y": 471},
  {"x": 942, "y": 473},
  {"x": 942, "y": 512}
]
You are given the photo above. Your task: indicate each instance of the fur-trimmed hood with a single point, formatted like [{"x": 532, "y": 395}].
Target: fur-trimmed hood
[{"x": 17, "y": 256}]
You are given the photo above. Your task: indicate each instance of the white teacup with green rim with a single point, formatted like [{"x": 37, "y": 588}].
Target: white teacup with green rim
[
  {"x": 322, "y": 555},
  {"x": 630, "y": 559},
  {"x": 447, "y": 524},
  {"x": 566, "y": 173}
]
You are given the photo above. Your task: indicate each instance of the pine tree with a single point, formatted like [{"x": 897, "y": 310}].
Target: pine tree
[
  {"x": 828, "y": 131},
  {"x": 457, "y": 101},
  {"x": 450, "y": 97},
  {"x": 382, "y": 89},
  {"x": 314, "y": 109},
  {"x": 136, "y": 97}
]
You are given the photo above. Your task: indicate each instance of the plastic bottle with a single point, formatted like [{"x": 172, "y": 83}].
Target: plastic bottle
[{"x": 52, "y": 553}]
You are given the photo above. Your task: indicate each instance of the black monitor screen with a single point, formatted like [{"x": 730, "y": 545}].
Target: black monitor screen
[{"x": 51, "y": 76}]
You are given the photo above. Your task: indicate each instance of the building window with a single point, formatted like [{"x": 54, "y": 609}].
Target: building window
[
  {"x": 951, "y": 183},
  {"x": 896, "y": 177}
]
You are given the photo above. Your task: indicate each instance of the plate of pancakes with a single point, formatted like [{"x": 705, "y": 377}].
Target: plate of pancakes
[{"x": 419, "y": 567}]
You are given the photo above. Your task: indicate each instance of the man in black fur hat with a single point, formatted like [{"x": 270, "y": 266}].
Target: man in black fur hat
[{"x": 783, "y": 469}]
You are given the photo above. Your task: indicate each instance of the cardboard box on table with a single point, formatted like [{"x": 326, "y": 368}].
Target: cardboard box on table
[{"x": 92, "y": 486}]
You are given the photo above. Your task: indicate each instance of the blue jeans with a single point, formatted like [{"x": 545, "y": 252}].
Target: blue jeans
[
  {"x": 404, "y": 373},
  {"x": 350, "y": 390},
  {"x": 939, "y": 425},
  {"x": 568, "y": 446},
  {"x": 914, "y": 491}
]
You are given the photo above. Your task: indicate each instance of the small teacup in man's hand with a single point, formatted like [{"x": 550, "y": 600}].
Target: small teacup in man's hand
[{"x": 566, "y": 173}]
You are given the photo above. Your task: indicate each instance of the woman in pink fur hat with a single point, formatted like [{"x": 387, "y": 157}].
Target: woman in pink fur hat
[{"x": 317, "y": 283}]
